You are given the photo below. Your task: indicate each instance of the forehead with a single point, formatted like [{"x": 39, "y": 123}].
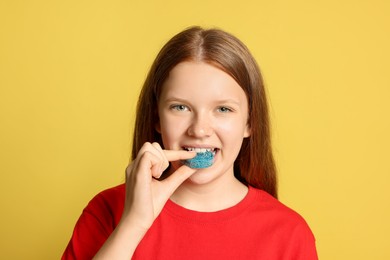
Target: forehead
[{"x": 199, "y": 79}]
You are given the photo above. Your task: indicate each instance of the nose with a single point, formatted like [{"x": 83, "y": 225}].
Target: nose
[{"x": 200, "y": 127}]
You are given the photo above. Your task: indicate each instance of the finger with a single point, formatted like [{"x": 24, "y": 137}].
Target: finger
[
  {"x": 164, "y": 159},
  {"x": 159, "y": 159},
  {"x": 173, "y": 155},
  {"x": 149, "y": 147},
  {"x": 178, "y": 177},
  {"x": 148, "y": 165}
]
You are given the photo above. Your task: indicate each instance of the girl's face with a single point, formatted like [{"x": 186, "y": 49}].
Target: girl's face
[{"x": 201, "y": 106}]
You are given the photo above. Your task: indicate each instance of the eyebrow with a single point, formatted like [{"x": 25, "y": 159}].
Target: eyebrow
[
  {"x": 223, "y": 101},
  {"x": 171, "y": 99}
]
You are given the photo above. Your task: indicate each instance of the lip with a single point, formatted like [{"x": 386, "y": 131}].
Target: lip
[
  {"x": 200, "y": 146},
  {"x": 203, "y": 148},
  {"x": 214, "y": 150}
]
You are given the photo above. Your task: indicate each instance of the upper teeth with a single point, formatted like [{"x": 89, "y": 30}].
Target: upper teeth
[{"x": 199, "y": 150}]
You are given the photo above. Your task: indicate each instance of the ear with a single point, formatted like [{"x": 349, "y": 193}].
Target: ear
[
  {"x": 157, "y": 127},
  {"x": 247, "y": 131}
]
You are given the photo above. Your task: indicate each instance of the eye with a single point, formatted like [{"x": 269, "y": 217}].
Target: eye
[
  {"x": 179, "y": 107},
  {"x": 224, "y": 109}
]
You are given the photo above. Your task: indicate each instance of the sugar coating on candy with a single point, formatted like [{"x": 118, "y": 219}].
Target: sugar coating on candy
[{"x": 201, "y": 160}]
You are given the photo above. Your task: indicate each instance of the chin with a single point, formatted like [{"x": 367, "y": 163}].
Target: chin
[{"x": 204, "y": 177}]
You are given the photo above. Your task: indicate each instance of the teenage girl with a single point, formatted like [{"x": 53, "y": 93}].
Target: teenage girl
[{"x": 204, "y": 93}]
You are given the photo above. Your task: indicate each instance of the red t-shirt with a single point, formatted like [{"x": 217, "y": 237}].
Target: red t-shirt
[{"x": 258, "y": 227}]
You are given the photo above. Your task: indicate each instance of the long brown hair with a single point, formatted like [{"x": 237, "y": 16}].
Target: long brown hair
[{"x": 255, "y": 163}]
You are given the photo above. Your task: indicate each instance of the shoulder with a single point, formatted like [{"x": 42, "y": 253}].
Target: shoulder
[
  {"x": 113, "y": 192},
  {"x": 97, "y": 221},
  {"x": 265, "y": 201},
  {"x": 286, "y": 224},
  {"x": 107, "y": 203},
  {"x": 276, "y": 212},
  {"x": 110, "y": 195}
]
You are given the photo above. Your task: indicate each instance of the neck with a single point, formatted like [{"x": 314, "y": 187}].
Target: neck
[{"x": 214, "y": 196}]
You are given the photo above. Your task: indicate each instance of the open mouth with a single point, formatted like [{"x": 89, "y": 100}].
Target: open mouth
[
  {"x": 204, "y": 157},
  {"x": 201, "y": 150}
]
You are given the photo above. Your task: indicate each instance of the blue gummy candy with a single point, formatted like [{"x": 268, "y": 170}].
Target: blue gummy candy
[{"x": 201, "y": 160}]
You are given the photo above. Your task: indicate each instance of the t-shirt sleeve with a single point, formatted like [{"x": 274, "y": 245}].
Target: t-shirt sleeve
[
  {"x": 303, "y": 244},
  {"x": 92, "y": 229}
]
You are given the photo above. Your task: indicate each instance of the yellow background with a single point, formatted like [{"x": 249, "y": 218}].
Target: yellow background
[{"x": 70, "y": 73}]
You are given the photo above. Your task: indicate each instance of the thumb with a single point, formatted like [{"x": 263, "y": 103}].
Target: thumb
[{"x": 178, "y": 177}]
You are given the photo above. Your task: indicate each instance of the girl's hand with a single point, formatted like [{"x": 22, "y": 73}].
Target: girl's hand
[
  {"x": 145, "y": 198},
  {"x": 145, "y": 195}
]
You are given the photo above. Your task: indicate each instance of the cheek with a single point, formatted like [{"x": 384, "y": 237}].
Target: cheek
[
  {"x": 232, "y": 135},
  {"x": 234, "y": 127},
  {"x": 171, "y": 131}
]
